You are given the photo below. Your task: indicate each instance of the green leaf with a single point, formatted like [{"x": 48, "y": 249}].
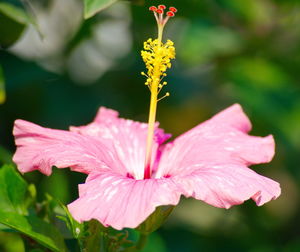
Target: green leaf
[
  {"x": 2, "y": 87},
  {"x": 76, "y": 228},
  {"x": 13, "y": 190},
  {"x": 14, "y": 12},
  {"x": 37, "y": 229},
  {"x": 91, "y": 7},
  {"x": 15, "y": 197},
  {"x": 13, "y": 21},
  {"x": 155, "y": 220}
]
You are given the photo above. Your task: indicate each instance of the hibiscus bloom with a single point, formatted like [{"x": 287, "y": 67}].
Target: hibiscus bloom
[
  {"x": 130, "y": 169},
  {"x": 209, "y": 163}
]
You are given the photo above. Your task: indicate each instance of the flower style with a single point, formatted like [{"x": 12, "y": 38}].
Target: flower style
[{"x": 209, "y": 162}]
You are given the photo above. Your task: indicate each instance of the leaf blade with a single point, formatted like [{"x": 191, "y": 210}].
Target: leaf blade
[
  {"x": 15, "y": 197},
  {"x": 13, "y": 21},
  {"x": 39, "y": 230},
  {"x": 91, "y": 7},
  {"x": 13, "y": 189}
]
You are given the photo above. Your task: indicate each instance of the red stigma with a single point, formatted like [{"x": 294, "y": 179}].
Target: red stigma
[
  {"x": 161, "y": 18},
  {"x": 162, "y": 7},
  {"x": 152, "y": 8},
  {"x": 170, "y": 14},
  {"x": 173, "y": 9}
]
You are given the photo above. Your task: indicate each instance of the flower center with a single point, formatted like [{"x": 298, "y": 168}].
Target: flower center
[{"x": 157, "y": 57}]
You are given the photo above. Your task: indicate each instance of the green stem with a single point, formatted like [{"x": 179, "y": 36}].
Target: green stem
[
  {"x": 81, "y": 246},
  {"x": 142, "y": 241}
]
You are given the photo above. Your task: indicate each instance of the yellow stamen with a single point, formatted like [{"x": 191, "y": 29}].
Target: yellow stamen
[
  {"x": 157, "y": 56},
  {"x": 166, "y": 95}
]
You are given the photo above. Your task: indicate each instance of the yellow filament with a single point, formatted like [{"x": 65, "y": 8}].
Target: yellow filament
[
  {"x": 166, "y": 95},
  {"x": 157, "y": 57}
]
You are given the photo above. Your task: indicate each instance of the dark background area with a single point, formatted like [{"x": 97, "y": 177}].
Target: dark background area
[{"x": 228, "y": 51}]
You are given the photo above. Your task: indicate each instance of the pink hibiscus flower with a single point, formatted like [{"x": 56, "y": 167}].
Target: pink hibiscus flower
[{"x": 209, "y": 162}]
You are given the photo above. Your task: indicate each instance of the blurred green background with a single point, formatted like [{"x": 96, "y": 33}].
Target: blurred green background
[{"x": 61, "y": 68}]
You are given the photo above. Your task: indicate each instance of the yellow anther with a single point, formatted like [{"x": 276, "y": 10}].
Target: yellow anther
[{"x": 157, "y": 57}]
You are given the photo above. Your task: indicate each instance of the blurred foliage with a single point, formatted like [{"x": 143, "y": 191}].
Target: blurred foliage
[
  {"x": 15, "y": 16},
  {"x": 12, "y": 23},
  {"x": 2, "y": 87},
  {"x": 228, "y": 51},
  {"x": 91, "y": 7}
]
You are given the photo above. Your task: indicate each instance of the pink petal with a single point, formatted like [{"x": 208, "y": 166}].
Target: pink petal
[
  {"x": 220, "y": 140},
  {"x": 120, "y": 202},
  {"x": 232, "y": 116},
  {"x": 106, "y": 115},
  {"x": 128, "y": 138},
  {"x": 227, "y": 185},
  {"x": 41, "y": 148}
]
